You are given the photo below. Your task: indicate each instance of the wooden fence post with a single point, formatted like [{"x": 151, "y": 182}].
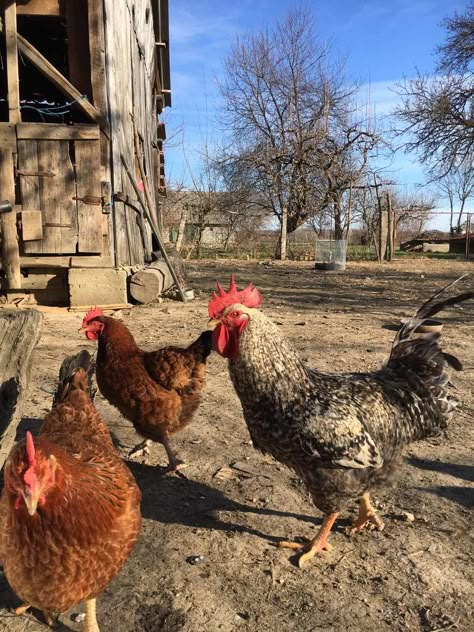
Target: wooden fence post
[
  {"x": 10, "y": 249},
  {"x": 20, "y": 330}
]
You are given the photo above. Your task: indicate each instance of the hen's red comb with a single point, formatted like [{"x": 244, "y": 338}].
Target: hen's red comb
[
  {"x": 30, "y": 449},
  {"x": 29, "y": 476},
  {"x": 91, "y": 314},
  {"x": 249, "y": 296}
]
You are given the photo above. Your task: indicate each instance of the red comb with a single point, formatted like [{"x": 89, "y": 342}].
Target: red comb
[
  {"x": 29, "y": 476},
  {"x": 249, "y": 296},
  {"x": 91, "y": 314}
]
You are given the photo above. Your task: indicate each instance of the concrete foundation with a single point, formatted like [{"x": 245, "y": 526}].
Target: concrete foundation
[{"x": 97, "y": 286}]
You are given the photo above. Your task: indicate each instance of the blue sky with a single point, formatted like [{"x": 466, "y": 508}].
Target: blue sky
[{"x": 384, "y": 41}]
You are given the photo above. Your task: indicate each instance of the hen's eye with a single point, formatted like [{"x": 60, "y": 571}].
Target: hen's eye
[{"x": 234, "y": 314}]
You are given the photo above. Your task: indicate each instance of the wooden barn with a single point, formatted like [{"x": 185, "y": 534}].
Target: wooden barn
[{"x": 82, "y": 85}]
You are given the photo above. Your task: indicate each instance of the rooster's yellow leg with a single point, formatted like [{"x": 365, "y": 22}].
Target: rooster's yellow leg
[
  {"x": 22, "y": 609},
  {"x": 90, "y": 624},
  {"x": 367, "y": 517},
  {"x": 311, "y": 547}
]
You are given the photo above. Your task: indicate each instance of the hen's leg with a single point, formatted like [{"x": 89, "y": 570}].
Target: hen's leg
[
  {"x": 22, "y": 609},
  {"x": 174, "y": 463},
  {"x": 90, "y": 624},
  {"x": 142, "y": 449},
  {"x": 311, "y": 547},
  {"x": 48, "y": 617},
  {"x": 367, "y": 516}
]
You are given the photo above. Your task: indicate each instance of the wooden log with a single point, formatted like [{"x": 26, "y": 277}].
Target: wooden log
[
  {"x": 20, "y": 330},
  {"x": 10, "y": 249},
  {"x": 147, "y": 284}
]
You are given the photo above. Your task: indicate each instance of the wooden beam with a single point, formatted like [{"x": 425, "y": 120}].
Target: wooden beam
[
  {"x": 8, "y": 136},
  {"x": 97, "y": 54},
  {"x": 56, "y": 78},
  {"x": 52, "y": 131},
  {"x": 14, "y": 114},
  {"x": 10, "y": 250},
  {"x": 39, "y": 7}
]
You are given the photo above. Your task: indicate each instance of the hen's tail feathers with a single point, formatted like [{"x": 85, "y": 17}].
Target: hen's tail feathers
[
  {"x": 203, "y": 344},
  {"x": 77, "y": 370},
  {"x": 419, "y": 357}
]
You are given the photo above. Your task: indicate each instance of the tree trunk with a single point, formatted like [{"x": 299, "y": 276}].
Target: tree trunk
[
  {"x": 338, "y": 227},
  {"x": 20, "y": 330},
  {"x": 181, "y": 230},
  {"x": 283, "y": 233}
]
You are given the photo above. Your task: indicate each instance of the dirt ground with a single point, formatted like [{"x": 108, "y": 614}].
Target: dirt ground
[{"x": 205, "y": 560}]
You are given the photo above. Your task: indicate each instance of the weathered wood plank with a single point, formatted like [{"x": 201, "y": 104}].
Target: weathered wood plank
[
  {"x": 10, "y": 248},
  {"x": 97, "y": 54},
  {"x": 39, "y": 7},
  {"x": 13, "y": 83},
  {"x": 29, "y": 185},
  {"x": 7, "y": 135},
  {"x": 68, "y": 206},
  {"x": 51, "y": 131},
  {"x": 20, "y": 331},
  {"x": 56, "y": 78},
  {"x": 78, "y": 46},
  {"x": 49, "y": 193},
  {"x": 31, "y": 225},
  {"x": 88, "y": 184}
]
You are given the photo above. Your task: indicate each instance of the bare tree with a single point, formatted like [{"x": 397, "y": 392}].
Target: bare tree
[
  {"x": 291, "y": 118},
  {"x": 458, "y": 187},
  {"x": 437, "y": 112}
]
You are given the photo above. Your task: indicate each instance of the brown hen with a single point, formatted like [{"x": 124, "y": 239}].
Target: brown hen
[
  {"x": 157, "y": 391},
  {"x": 70, "y": 508}
]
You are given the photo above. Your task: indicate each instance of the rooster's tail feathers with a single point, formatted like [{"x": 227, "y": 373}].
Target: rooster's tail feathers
[
  {"x": 420, "y": 356},
  {"x": 77, "y": 370}
]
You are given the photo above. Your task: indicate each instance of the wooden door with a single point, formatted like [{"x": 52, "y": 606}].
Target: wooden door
[{"x": 60, "y": 189}]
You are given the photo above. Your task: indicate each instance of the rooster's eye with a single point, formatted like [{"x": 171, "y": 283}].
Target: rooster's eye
[{"x": 234, "y": 314}]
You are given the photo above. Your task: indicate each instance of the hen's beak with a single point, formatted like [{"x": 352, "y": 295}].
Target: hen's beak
[
  {"x": 212, "y": 323},
  {"x": 31, "y": 501},
  {"x": 82, "y": 330}
]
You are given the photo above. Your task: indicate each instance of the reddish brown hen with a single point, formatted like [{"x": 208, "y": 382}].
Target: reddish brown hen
[
  {"x": 157, "y": 391},
  {"x": 70, "y": 508}
]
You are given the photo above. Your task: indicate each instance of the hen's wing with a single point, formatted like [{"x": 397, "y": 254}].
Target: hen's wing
[{"x": 174, "y": 368}]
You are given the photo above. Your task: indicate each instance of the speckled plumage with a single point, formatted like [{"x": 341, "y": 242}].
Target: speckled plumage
[
  {"x": 72, "y": 546},
  {"x": 342, "y": 434}
]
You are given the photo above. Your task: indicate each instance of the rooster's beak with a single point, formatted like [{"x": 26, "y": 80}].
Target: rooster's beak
[{"x": 212, "y": 323}]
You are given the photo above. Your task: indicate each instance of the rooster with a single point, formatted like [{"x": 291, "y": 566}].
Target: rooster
[
  {"x": 70, "y": 508},
  {"x": 158, "y": 391},
  {"x": 342, "y": 434}
]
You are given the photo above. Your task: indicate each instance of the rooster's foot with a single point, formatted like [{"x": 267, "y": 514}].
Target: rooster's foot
[
  {"x": 310, "y": 547},
  {"x": 367, "y": 518}
]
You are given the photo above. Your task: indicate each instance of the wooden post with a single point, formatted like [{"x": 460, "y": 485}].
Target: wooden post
[
  {"x": 19, "y": 332},
  {"x": 10, "y": 249},
  {"x": 14, "y": 114}
]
